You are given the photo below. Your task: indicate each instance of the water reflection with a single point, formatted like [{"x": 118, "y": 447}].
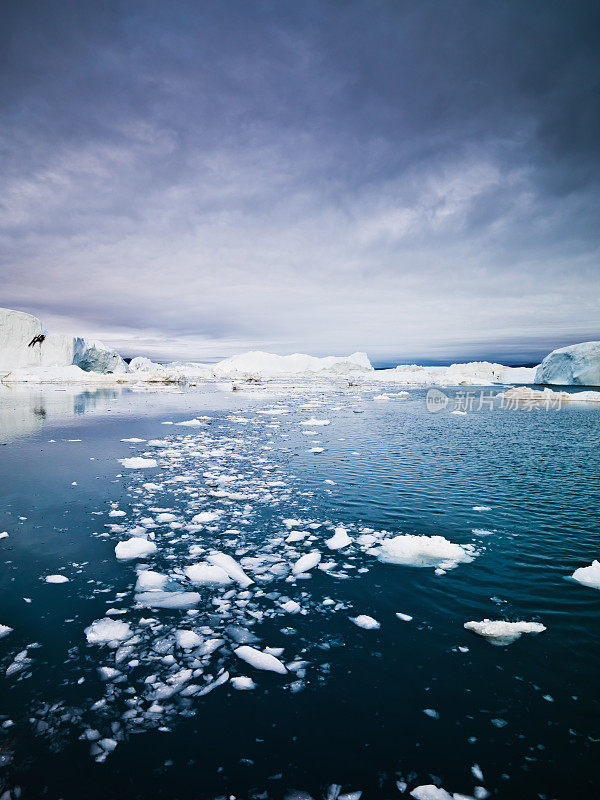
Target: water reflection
[{"x": 25, "y": 411}]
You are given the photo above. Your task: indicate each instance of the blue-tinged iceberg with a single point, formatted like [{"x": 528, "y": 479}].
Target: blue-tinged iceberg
[{"x": 576, "y": 365}]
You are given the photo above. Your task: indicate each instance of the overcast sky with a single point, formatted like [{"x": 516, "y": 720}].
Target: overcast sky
[{"x": 420, "y": 180}]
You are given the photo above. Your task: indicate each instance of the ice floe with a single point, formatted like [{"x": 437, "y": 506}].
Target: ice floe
[
  {"x": 107, "y": 631},
  {"x": 366, "y": 622},
  {"x": 500, "y": 632},
  {"x": 425, "y": 551},
  {"x": 137, "y": 462},
  {"x": 260, "y": 660},
  {"x": 588, "y": 576}
]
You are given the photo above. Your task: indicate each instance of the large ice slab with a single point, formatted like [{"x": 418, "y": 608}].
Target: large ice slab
[
  {"x": 256, "y": 362},
  {"x": 576, "y": 365}
]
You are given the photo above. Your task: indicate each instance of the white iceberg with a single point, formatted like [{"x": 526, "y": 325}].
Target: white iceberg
[
  {"x": 588, "y": 576},
  {"x": 260, "y": 660},
  {"x": 425, "y": 551},
  {"x": 258, "y": 363},
  {"x": 500, "y": 632},
  {"x": 366, "y": 622},
  {"x": 576, "y": 365}
]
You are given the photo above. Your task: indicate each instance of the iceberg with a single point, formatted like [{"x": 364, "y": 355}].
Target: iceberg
[
  {"x": 135, "y": 547},
  {"x": 258, "y": 363},
  {"x": 576, "y": 365},
  {"x": 107, "y": 631},
  {"x": 260, "y": 660}
]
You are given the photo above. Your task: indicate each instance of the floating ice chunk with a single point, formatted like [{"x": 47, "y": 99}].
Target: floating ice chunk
[
  {"x": 149, "y": 581},
  {"x": 231, "y": 567},
  {"x": 136, "y": 547},
  {"x": 477, "y": 773},
  {"x": 430, "y": 792},
  {"x": 381, "y": 397},
  {"x": 204, "y": 574},
  {"x": 291, "y": 606},
  {"x": 138, "y": 462},
  {"x": 204, "y": 517},
  {"x": 296, "y": 536},
  {"x": 425, "y": 551},
  {"x": 482, "y": 508},
  {"x": 243, "y": 683},
  {"x": 56, "y": 579},
  {"x": 366, "y": 622},
  {"x": 133, "y": 439},
  {"x": 339, "y": 539},
  {"x": 187, "y": 639},
  {"x": 260, "y": 660},
  {"x": 5, "y": 630},
  {"x": 312, "y": 422},
  {"x": 4, "y": 535},
  {"x": 168, "y": 599},
  {"x": 107, "y": 631},
  {"x": 166, "y": 516},
  {"x": 316, "y": 450},
  {"x": 499, "y": 632},
  {"x": 116, "y": 513},
  {"x": 306, "y": 562},
  {"x": 403, "y": 617},
  {"x": 588, "y": 576}
]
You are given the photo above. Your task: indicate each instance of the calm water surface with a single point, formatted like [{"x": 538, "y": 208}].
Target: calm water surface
[{"x": 351, "y": 709}]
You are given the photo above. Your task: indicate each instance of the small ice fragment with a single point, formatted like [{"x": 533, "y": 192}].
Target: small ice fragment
[
  {"x": 431, "y": 712},
  {"x": 4, "y": 535},
  {"x": 204, "y": 517},
  {"x": 314, "y": 422},
  {"x": 56, "y": 579},
  {"x": 499, "y": 632},
  {"x": 482, "y": 508},
  {"x": 366, "y": 622},
  {"x": 136, "y": 547},
  {"x": 588, "y": 576},
  {"x": 133, "y": 439},
  {"x": 149, "y": 581},
  {"x": 339, "y": 539},
  {"x": 176, "y": 600},
  {"x": 316, "y": 450},
  {"x": 165, "y": 516},
  {"x": 116, "y": 513},
  {"x": 430, "y": 792},
  {"x": 242, "y": 682},
  {"x": 138, "y": 463},
  {"x": 306, "y": 562},
  {"x": 107, "y": 631},
  {"x": 231, "y": 567},
  {"x": 292, "y": 607},
  {"x": 187, "y": 639},
  {"x": 5, "y": 630},
  {"x": 203, "y": 574},
  {"x": 403, "y": 617},
  {"x": 424, "y": 551},
  {"x": 260, "y": 660},
  {"x": 477, "y": 773}
]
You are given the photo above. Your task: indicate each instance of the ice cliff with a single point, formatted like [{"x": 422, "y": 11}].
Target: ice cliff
[
  {"x": 576, "y": 365},
  {"x": 24, "y": 345}
]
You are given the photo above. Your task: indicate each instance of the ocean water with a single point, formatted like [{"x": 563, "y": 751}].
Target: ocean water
[{"x": 380, "y": 711}]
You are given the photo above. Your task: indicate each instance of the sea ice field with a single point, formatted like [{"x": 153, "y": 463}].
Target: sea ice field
[{"x": 297, "y": 590}]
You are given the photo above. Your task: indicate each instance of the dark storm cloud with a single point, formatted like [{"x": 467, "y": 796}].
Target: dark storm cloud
[{"x": 408, "y": 178}]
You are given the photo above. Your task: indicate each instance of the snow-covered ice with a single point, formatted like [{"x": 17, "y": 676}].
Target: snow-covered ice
[
  {"x": 137, "y": 462},
  {"x": 425, "y": 551},
  {"x": 588, "y": 576},
  {"x": 136, "y": 547},
  {"x": 260, "y": 660},
  {"x": 500, "y": 632},
  {"x": 107, "y": 631},
  {"x": 366, "y": 622}
]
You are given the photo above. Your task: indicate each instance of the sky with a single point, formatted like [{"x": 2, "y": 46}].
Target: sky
[{"x": 416, "y": 179}]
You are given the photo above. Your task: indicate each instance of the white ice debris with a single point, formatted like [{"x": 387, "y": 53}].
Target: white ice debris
[
  {"x": 203, "y": 574},
  {"x": 588, "y": 576},
  {"x": 231, "y": 567},
  {"x": 4, "y": 631},
  {"x": 403, "y": 617},
  {"x": 136, "y": 547},
  {"x": 175, "y": 600},
  {"x": 149, "y": 581},
  {"x": 56, "y": 579},
  {"x": 366, "y": 622},
  {"x": 137, "y": 462},
  {"x": 500, "y": 632},
  {"x": 107, "y": 631},
  {"x": 314, "y": 423},
  {"x": 306, "y": 562},
  {"x": 425, "y": 551},
  {"x": 187, "y": 640},
  {"x": 430, "y": 792},
  {"x": 204, "y": 517},
  {"x": 242, "y": 682},
  {"x": 260, "y": 660},
  {"x": 339, "y": 539}
]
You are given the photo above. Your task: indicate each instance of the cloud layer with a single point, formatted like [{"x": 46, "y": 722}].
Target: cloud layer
[{"x": 418, "y": 180}]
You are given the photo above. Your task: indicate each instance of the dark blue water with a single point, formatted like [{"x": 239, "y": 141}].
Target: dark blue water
[{"x": 353, "y": 714}]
